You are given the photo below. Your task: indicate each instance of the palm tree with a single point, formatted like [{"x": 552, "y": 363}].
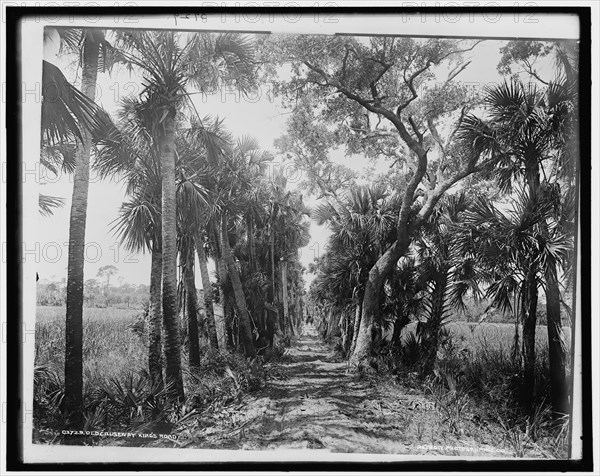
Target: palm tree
[
  {"x": 232, "y": 178},
  {"x": 191, "y": 204},
  {"x": 222, "y": 278},
  {"x": 403, "y": 297},
  {"x": 187, "y": 251},
  {"x": 528, "y": 130},
  {"x": 169, "y": 62},
  {"x": 199, "y": 148},
  {"x": 216, "y": 329},
  {"x": 511, "y": 246},
  {"x": 442, "y": 271},
  {"x": 72, "y": 115},
  {"x": 138, "y": 226},
  {"x": 240, "y": 302},
  {"x": 77, "y": 224},
  {"x": 362, "y": 224},
  {"x": 135, "y": 158}
]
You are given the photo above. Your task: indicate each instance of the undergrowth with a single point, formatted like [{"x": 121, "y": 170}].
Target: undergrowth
[
  {"x": 482, "y": 384},
  {"x": 118, "y": 393}
]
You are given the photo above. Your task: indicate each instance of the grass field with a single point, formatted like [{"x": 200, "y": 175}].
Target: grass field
[
  {"x": 492, "y": 335},
  {"x": 498, "y": 335},
  {"x": 110, "y": 348}
]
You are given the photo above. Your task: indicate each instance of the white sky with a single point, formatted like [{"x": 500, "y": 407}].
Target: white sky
[{"x": 261, "y": 117}]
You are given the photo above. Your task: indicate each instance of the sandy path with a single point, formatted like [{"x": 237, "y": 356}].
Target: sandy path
[{"x": 314, "y": 402}]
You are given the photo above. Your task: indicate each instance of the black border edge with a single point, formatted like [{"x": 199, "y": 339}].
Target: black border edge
[
  {"x": 14, "y": 210},
  {"x": 14, "y": 125},
  {"x": 585, "y": 217}
]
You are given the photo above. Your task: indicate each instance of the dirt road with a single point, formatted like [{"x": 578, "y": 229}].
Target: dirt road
[{"x": 313, "y": 402}]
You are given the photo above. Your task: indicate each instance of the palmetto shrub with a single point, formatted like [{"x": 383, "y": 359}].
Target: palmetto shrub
[
  {"x": 48, "y": 394},
  {"x": 132, "y": 402}
]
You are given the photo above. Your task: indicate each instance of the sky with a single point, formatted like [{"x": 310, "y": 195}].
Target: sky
[{"x": 260, "y": 116}]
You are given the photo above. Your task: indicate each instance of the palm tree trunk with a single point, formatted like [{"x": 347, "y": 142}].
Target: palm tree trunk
[
  {"x": 333, "y": 327},
  {"x": 226, "y": 321},
  {"x": 251, "y": 241},
  {"x": 286, "y": 312},
  {"x": 216, "y": 341},
  {"x": 347, "y": 335},
  {"x": 155, "y": 319},
  {"x": 356, "y": 326},
  {"x": 77, "y": 223},
  {"x": 169, "y": 272},
  {"x": 228, "y": 315},
  {"x": 299, "y": 311},
  {"x": 192, "y": 308},
  {"x": 240, "y": 301},
  {"x": 529, "y": 309},
  {"x": 434, "y": 323},
  {"x": 556, "y": 349},
  {"x": 272, "y": 258}
]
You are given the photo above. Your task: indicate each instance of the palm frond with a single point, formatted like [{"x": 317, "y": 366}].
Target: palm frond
[
  {"x": 138, "y": 223},
  {"x": 59, "y": 156},
  {"x": 47, "y": 204}
]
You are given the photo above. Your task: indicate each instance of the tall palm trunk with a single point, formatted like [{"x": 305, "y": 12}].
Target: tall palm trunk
[
  {"x": 155, "y": 318},
  {"x": 356, "y": 326},
  {"x": 252, "y": 243},
  {"x": 226, "y": 322},
  {"x": 272, "y": 259},
  {"x": 259, "y": 309},
  {"x": 556, "y": 349},
  {"x": 77, "y": 223},
  {"x": 216, "y": 338},
  {"x": 528, "y": 309},
  {"x": 286, "y": 312},
  {"x": 434, "y": 323},
  {"x": 240, "y": 301},
  {"x": 299, "y": 311},
  {"x": 169, "y": 270},
  {"x": 529, "y": 303},
  {"x": 192, "y": 307},
  {"x": 347, "y": 332}
]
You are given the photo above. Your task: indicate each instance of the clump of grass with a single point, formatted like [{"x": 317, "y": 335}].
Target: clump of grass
[{"x": 222, "y": 378}]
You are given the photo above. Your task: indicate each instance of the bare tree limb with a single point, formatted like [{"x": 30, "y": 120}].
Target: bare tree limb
[
  {"x": 410, "y": 83},
  {"x": 459, "y": 51},
  {"x": 456, "y": 72},
  {"x": 415, "y": 129},
  {"x": 532, "y": 72}
]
